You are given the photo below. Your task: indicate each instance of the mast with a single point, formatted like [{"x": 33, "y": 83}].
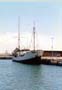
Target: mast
[
  {"x": 34, "y": 37},
  {"x": 52, "y": 47},
  {"x": 19, "y": 32}
]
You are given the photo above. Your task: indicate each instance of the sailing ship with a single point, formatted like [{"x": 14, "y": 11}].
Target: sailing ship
[{"x": 27, "y": 56}]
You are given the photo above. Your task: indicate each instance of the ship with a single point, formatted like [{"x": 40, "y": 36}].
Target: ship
[{"x": 26, "y": 56}]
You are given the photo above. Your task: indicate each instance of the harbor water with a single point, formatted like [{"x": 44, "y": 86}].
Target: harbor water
[{"x": 17, "y": 76}]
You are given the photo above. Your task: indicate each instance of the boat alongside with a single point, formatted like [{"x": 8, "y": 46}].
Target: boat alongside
[{"x": 28, "y": 57}]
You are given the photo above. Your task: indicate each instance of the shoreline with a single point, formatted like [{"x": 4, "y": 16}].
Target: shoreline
[{"x": 43, "y": 61}]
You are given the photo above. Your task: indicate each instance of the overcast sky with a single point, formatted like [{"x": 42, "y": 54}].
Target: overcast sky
[{"x": 48, "y": 23}]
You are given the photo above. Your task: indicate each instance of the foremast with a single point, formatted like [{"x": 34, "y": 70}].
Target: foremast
[
  {"x": 19, "y": 32},
  {"x": 18, "y": 35},
  {"x": 34, "y": 36}
]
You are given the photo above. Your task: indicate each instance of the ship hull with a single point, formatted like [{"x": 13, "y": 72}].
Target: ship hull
[{"x": 36, "y": 60}]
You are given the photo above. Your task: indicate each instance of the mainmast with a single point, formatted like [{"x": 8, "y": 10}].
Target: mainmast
[
  {"x": 34, "y": 37},
  {"x": 19, "y": 32},
  {"x": 52, "y": 47}
]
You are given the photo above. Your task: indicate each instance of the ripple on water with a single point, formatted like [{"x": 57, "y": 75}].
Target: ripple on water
[{"x": 17, "y": 76}]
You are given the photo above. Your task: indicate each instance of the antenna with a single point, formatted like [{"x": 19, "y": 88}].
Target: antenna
[
  {"x": 19, "y": 32},
  {"x": 34, "y": 36}
]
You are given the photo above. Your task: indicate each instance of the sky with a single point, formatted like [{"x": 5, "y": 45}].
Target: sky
[{"x": 48, "y": 22}]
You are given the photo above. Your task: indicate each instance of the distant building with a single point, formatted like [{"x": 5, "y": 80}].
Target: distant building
[{"x": 52, "y": 53}]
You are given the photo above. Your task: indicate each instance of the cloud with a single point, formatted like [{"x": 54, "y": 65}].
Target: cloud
[{"x": 9, "y": 41}]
